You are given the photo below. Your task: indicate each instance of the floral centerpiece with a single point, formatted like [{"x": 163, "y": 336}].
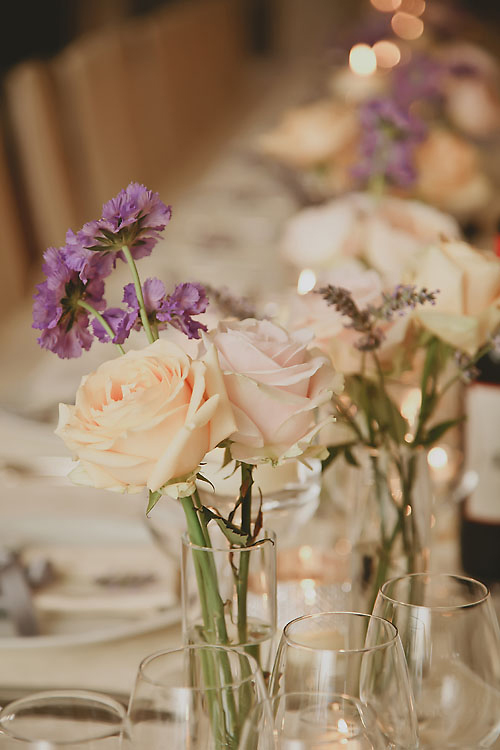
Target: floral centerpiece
[
  {"x": 145, "y": 420},
  {"x": 415, "y": 132},
  {"x": 434, "y": 328}
]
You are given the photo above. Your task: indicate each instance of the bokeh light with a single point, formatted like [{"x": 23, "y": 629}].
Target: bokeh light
[
  {"x": 362, "y": 60},
  {"x": 387, "y": 53},
  {"x": 386, "y": 6},
  {"x": 414, "y": 7},
  {"x": 407, "y": 26}
]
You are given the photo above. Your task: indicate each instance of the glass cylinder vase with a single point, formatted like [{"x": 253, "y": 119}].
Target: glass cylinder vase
[
  {"x": 391, "y": 518},
  {"x": 229, "y": 594}
]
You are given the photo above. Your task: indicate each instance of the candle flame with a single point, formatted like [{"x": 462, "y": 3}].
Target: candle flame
[
  {"x": 362, "y": 60},
  {"x": 307, "y": 281}
]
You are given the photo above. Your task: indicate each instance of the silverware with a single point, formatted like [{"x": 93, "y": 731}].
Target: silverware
[{"x": 15, "y": 594}]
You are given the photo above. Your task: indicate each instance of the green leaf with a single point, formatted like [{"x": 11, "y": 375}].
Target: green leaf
[
  {"x": 436, "y": 432},
  {"x": 204, "y": 479},
  {"x": 231, "y": 532},
  {"x": 152, "y": 500},
  {"x": 375, "y": 404}
]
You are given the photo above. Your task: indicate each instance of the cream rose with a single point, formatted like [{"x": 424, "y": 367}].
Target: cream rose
[
  {"x": 147, "y": 419},
  {"x": 467, "y": 307},
  {"x": 275, "y": 385},
  {"x": 449, "y": 174},
  {"x": 311, "y": 134},
  {"x": 384, "y": 233}
]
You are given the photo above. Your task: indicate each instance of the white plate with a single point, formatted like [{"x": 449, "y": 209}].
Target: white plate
[{"x": 77, "y": 608}]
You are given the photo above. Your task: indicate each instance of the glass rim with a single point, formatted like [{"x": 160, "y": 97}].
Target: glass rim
[
  {"x": 198, "y": 647},
  {"x": 366, "y": 649},
  {"x": 436, "y": 607},
  {"x": 186, "y": 542},
  {"x": 106, "y": 701}
]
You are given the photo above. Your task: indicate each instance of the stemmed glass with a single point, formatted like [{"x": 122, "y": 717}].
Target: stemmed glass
[
  {"x": 63, "y": 720},
  {"x": 195, "y": 697},
  {"x": 312, "y": 721},
  {"x": 353, "y": 655},
  {"x": 450, "y": 635}
]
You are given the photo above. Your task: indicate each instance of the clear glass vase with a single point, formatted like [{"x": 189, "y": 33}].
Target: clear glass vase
[
  {"x": 229, "y": 594},
  {"x": 390, "y": 521}
]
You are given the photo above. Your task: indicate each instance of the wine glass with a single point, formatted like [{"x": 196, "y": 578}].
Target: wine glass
[
  {"x": 451, "y": 639},
  {"x": 350, "y": 654},
  {"x": 195, "y": 697},
  {"x": 60, "y": 719},
  {"x": 312, "y": 721}
]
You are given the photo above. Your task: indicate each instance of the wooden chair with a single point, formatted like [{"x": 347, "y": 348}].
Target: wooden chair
[{"x": 39, "y": 151}]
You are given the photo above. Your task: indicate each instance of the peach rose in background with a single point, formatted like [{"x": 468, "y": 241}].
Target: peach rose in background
[
  {"x": 147, "y": 419},
  {"x": 382, "y": 232},
  {"x": 275, "y": 385},
  {"x": 470, "y": 90},
  {"x": 449, "y": 174},
  {"x": 311, "y": 135},
  {"x": 467, "y": 308}
]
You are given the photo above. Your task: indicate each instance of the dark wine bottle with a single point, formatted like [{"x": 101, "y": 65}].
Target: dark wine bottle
[{"x": 480, "y": 523}]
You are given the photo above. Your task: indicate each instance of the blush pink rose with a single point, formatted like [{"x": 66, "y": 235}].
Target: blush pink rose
[
  {"x": 147, "y": 419},
  {"x": 275, "y": 385},
  {"x": 329, "y": 327},
  {"x": 383, "y": 233}
]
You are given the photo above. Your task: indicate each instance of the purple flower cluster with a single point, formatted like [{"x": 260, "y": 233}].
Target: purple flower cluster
[
  {"x": 422, "y": 78},
  {"x": 74, "y": 287},
  {"x": 56, "y": 310},
  {"x": 162, "y": 310},
  {"x": 390, "y": 134}
]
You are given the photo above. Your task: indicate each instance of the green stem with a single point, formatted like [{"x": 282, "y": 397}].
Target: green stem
[
  {"x": 102, "y": 321},
  {"x": 138, "y": 291},
  {"x": 246, "y": 521},
  {"x": 213, "y": 618}
]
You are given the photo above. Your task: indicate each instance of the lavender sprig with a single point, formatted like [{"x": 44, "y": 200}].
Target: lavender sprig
[
  {"x": 231, "y": 305},
  {"x": 365, "y": 321},
  {"x": 403, "y": 297},
  {"x": 389, "y": 136}
]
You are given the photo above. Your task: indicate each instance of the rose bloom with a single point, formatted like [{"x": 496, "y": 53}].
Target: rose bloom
[
  {"x": 467, "y": 308},
  {"x": 146, "y": 419},
  {"x": 449, "y": 174},
  {"x": 329, "y": 326},
  {"x": 312, "y": 134},
  {"x": 471, "y": 99},
  {"x": 275, "y": 385},
  {"x": 384, "y": 233}
]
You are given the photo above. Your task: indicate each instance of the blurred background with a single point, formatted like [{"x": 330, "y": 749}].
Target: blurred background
[{"x": 174, "y": 94}]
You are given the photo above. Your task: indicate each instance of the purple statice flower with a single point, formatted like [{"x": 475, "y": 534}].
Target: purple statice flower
[
  {"x": 153, "y": 292},
  {"x": 420, "y": 79},
  {"x": 390, "y": 134},
  {"x": 178, "y": 308},
  {"x": 87, "y": 263},
  {"x": 120, "y": 321},
  {"x": 56, "y": 312},
  {"x": 135, "y": 217}
]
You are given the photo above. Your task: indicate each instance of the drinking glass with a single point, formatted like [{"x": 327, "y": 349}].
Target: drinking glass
[
  {"x": 195, "y": 697},
  {"x": 60, "y": 719},
  {"x": 312, "y": 721},
  {"x": 351, "y": 654},
  {"x": 451, "y": 639}
]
